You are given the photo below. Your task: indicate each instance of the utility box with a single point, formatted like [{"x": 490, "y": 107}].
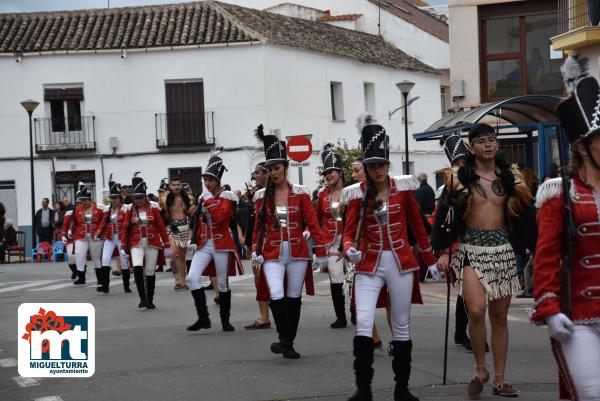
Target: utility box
[{"x": 457, "y": 88}]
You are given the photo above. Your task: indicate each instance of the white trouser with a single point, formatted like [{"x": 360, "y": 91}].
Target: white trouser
[
  {"x": 292, "y": 271},
  {"x": 582, "y": 353},
  {"x": 145, "y": 256},
  {"x": 366, "y": 292},
  {"x": 201, "y": 260},
  {"x": 71, "y": 260},
  {"x": 81, "y": 250},
  {"x": 108, "y": 250},
  {"x": 335, "y": 267}
]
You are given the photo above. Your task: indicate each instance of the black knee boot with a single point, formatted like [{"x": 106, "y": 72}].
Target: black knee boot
[
  {"x": 337, "y": 296},
  {"x": 80, "y": 278},
  {"x": 225, "y": 310},
  {"x": 138, "y": 276},
  {"x": 73, "y": 269},
  {"x": 363, "y": 368},
  {"x": 203, "y": 321},
  {"x": 125, "y": 276},
  {"x": 150, "y": 285},
  {"x": 104, "y": 279},
  {"x": 402, "y": 350},
  {"x": 280, "y": 316},
  {"x": 98, "y": 276},
  {"x": 294, "y": 306}
]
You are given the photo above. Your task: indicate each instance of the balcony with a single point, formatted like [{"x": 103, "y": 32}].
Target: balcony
[
  {"x": 65, "y": 135},
  {"x": 185, "y": 130},
  {"x": 577, "y": 28}
]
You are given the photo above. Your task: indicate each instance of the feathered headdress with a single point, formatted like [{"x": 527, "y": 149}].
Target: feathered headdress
[
  {"x": 216, "y": 151},
  {"x": 573, "y": 70},
  {"x": 363, "y": 120},
  {"x": 259, "y": 133}
]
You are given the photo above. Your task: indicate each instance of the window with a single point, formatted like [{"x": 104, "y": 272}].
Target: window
[
  {"x": 67, "y": 184},
  {"x": 65, "y": 108},
  {"x": 445, "y": 99},
  {"x": 337, "y": 101},
  {"x": 369, "y": 97},
  {"x": 516, "y": 55},
  {"x": 185, "y": 123}
]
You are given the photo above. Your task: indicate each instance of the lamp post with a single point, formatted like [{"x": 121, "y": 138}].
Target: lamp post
[
  {"x": 405, "y": 87},
  {"x": 30, "y": 106}
]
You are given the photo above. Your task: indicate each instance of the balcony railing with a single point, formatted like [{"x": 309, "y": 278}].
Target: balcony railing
[
  {"x": 573, "y": 14},
  {"x": 180, "y": 130},
  {"x": 65, "y": 135}
]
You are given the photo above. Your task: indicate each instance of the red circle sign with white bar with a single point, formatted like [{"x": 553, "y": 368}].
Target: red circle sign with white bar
[{"x": 299, "y": 148}]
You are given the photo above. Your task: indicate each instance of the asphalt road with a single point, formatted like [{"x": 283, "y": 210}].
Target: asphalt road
[{"x": 148, "y": 355}]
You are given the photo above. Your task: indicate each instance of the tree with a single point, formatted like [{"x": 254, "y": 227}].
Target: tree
[{"x": 348, "y": 155}]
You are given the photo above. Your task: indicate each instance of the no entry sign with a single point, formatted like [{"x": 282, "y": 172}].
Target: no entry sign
[{"x": 299, "y": 147}]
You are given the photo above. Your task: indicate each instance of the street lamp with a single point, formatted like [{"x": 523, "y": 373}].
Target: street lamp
[
  {"x": 405, "y": 87},
  {"x": 30, "y": 106}
]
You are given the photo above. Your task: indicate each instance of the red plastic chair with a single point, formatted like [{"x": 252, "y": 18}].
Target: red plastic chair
[{"x": 43, "y": 249}]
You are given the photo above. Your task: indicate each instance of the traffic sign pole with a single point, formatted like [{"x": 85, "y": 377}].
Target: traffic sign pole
[{"x": 299, "y": 150}]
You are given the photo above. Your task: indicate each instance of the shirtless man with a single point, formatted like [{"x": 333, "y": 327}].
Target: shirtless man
[
  {"x": 484, "y": 260},
  {"x": 178, "y": 206}
]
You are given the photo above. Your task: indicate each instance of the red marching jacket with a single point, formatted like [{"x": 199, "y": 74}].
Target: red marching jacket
[
  {"x": 300, "y": 209},
  {"x": 326, "y": 216},
  {"x": 154, "y": 231},
  {"x": 66, "y": 227},
  {"x": 220, "y": 209},
  {"x": 110, "y": 228},
  {"x": 79, "y": 228},
  {"x": 403, "y": 211},
  {"x": 585, "y": 269}
]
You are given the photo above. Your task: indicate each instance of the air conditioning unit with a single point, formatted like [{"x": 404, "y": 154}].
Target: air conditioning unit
[{"x": 457, "y": 88}]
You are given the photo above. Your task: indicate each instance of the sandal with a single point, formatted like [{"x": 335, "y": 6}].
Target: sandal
[{"x": 475, "y": 387}]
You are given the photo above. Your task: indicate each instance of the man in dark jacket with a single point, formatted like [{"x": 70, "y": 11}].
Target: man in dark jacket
[
  {"x": 425, "y": 195},
  {"x": 10, "y": 239},
  {"x": 44, "y": 222}
]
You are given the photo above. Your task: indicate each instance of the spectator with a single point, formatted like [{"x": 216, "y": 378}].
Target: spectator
[
  {"x": 59, "y": 216},
  {"x": 10, "y": 239},
  {"x": 425, "y": 195},
  {"x": 44, "y": 222},
  {"x": 2, "y": 219},
  {"x": 67, "y": 205}
]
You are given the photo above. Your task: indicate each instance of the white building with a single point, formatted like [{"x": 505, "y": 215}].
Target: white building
[{"x": 152, "y": 89}]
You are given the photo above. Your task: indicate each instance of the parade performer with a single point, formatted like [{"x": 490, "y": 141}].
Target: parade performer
[
  {"x": 215, "y": 254},
  {"x": 260, "y": 177},
  {"x": 86, "y": 219},
  {"x": 329, "y": 216},
  {"x": 376, "y": 239},
  {"x": 485, "y": 203},
  {"x": 279, "y": 245},
  {"x": 144, "y": 234},
  {"x": 567, "y": 258},
  {"x": 68, "y": 241},
  {"x": 110, "y": 231},
  {"x": 178, "y": 206}
]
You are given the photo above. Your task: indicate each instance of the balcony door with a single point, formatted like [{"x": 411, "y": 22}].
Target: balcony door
[
  {"x": 185, "y": 113},
  {"x": 67, "y": 184}
]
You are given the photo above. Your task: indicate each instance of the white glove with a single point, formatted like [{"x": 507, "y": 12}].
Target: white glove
[
  {"x": 306, "y": 235},
  {"x": 64, "y": 240},
  {"x": 353, "y": 255},
  {"x": 257, "y": 259},
  {"x": 167, "y": 252},
  {"x": 123, "y": 253},
  {"x": 192, "y": 247},
  {"x": 560, "y": 326},
  {"x": 322, "y": 261},
  {"x": 435, "y": 273},
  {"x": 69, "y": 234}
]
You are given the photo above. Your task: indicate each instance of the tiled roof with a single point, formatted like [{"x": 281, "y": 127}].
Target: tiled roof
[
  {"x": 190, "y": 24},
  {"x": 408, "y": 10},
  {"x": 327, "y": 17}
]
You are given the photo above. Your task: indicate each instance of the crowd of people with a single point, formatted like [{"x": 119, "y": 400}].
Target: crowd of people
[{"x": 377, "y": 237}]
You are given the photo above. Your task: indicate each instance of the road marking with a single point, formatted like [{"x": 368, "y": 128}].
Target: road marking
[
  {"x": 49, "y": 398},
  {"x": 27, "y": 285},
  {"x": 14, "y": 282},
  {"x": 26, "y": 381},
  {"x": 53, "y": 287},
  {"x": 8, "y": 363}
]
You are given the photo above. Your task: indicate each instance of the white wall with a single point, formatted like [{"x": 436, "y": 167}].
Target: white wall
[{"x": 464, "y": 52}]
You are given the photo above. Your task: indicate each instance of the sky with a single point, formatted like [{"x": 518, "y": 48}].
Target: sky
[{"x": 9, "y": 6}]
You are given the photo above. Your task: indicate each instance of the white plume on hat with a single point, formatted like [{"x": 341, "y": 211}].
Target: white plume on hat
[
  {"x": 363, "y": 120},
  {"x": 572, "y": 71}
]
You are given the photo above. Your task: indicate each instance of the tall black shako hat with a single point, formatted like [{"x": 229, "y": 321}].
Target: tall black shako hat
[
  {"x": 454, "y": 147},
  {"x": 113, "y": 187},
  {"x": 164, "y": 185},
  {"x": 374, "y": 141},
  {"x": 83, "y": 192},
  {"x": 580, "y": 113},
  {"x": 215, "y": 167},
  {"x": 331, "y": 160},
  {"x": 274, "y": 148},
  {"x": 138, "y": 185}
]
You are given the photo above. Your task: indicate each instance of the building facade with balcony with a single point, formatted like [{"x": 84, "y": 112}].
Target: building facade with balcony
[{"x": 153, "y": 89}]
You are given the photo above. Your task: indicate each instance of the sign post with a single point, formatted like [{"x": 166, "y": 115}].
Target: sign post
[{"x": 299, "y": 149}]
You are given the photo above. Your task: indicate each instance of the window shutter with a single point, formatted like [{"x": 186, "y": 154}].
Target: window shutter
[{"x": 63, "y": 94}]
